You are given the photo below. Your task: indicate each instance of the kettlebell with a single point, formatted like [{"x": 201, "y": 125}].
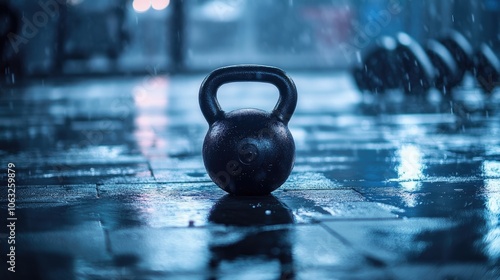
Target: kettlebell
[{"x": 248, "y": 151}]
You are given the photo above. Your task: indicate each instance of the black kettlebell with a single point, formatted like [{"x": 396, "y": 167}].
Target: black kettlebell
[{"x": 248, "y": 151}]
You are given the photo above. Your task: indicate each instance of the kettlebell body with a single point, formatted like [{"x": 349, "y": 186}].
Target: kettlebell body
[{"x": 248, "y": 151}]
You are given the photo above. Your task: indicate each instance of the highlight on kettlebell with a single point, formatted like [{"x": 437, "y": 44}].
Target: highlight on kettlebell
[{"x": 248, "y": 151}]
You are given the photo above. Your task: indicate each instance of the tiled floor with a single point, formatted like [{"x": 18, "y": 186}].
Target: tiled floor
[{"x": 110, "y": 184}]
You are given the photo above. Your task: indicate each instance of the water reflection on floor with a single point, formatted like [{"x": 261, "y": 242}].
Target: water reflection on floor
[{"x": 111, "y": 185}]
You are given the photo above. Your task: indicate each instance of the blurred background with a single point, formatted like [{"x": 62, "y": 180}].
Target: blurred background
[{"x": 117, "y": 37}]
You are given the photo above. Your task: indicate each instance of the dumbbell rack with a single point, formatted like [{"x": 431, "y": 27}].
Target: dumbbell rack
[{"x": 400, "y": 62}]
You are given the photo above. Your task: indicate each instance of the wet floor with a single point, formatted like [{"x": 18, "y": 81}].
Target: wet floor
[{"x": 110, "y": 184}]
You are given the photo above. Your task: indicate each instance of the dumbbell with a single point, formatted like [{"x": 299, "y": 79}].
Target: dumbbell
[
  {"x": 442, "y": 64},
  {"x": 483, "y": 63},
  {"x": 393, "y": 63},
  {"x": 438, "y": 64},
  {"x": 415, "y": 67},
  {"x": 461, "y": 50},
  {"x": 450, "y": 56},
  {"x": 487, "y": 68},
  {"x": 448, "y": 74},
  {"x": 377, "y": 72}
]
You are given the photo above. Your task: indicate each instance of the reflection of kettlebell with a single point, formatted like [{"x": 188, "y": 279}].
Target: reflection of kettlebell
[
  {"x": 248, "y": 151},
  {"x": 260, "y": 229}
]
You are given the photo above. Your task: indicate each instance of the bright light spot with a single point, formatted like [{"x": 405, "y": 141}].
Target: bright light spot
[
  {"x": 410, "y": 172},
  {"x": 492, "y": 239},
  {"x": 491, "y": 168},
  {"x": 141, "y": 6},
  {"x": 150, "y": 100},
  {"x": 409, "y": 198},
  {"x": 221, "y": 11},
  {"x": 492, "y": 204},
  {"x": 74, "y": 2},
  {"x": 411, "y": 186},
  {"x": 410, "y": 167},
  {"x": 160, "y": 4}
]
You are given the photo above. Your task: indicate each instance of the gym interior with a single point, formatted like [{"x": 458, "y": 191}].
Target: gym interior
[{"x": 371, "y": 149}]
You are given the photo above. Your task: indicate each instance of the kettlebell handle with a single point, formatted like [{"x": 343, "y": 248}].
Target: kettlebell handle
[{"x": 287, "y": 100}]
